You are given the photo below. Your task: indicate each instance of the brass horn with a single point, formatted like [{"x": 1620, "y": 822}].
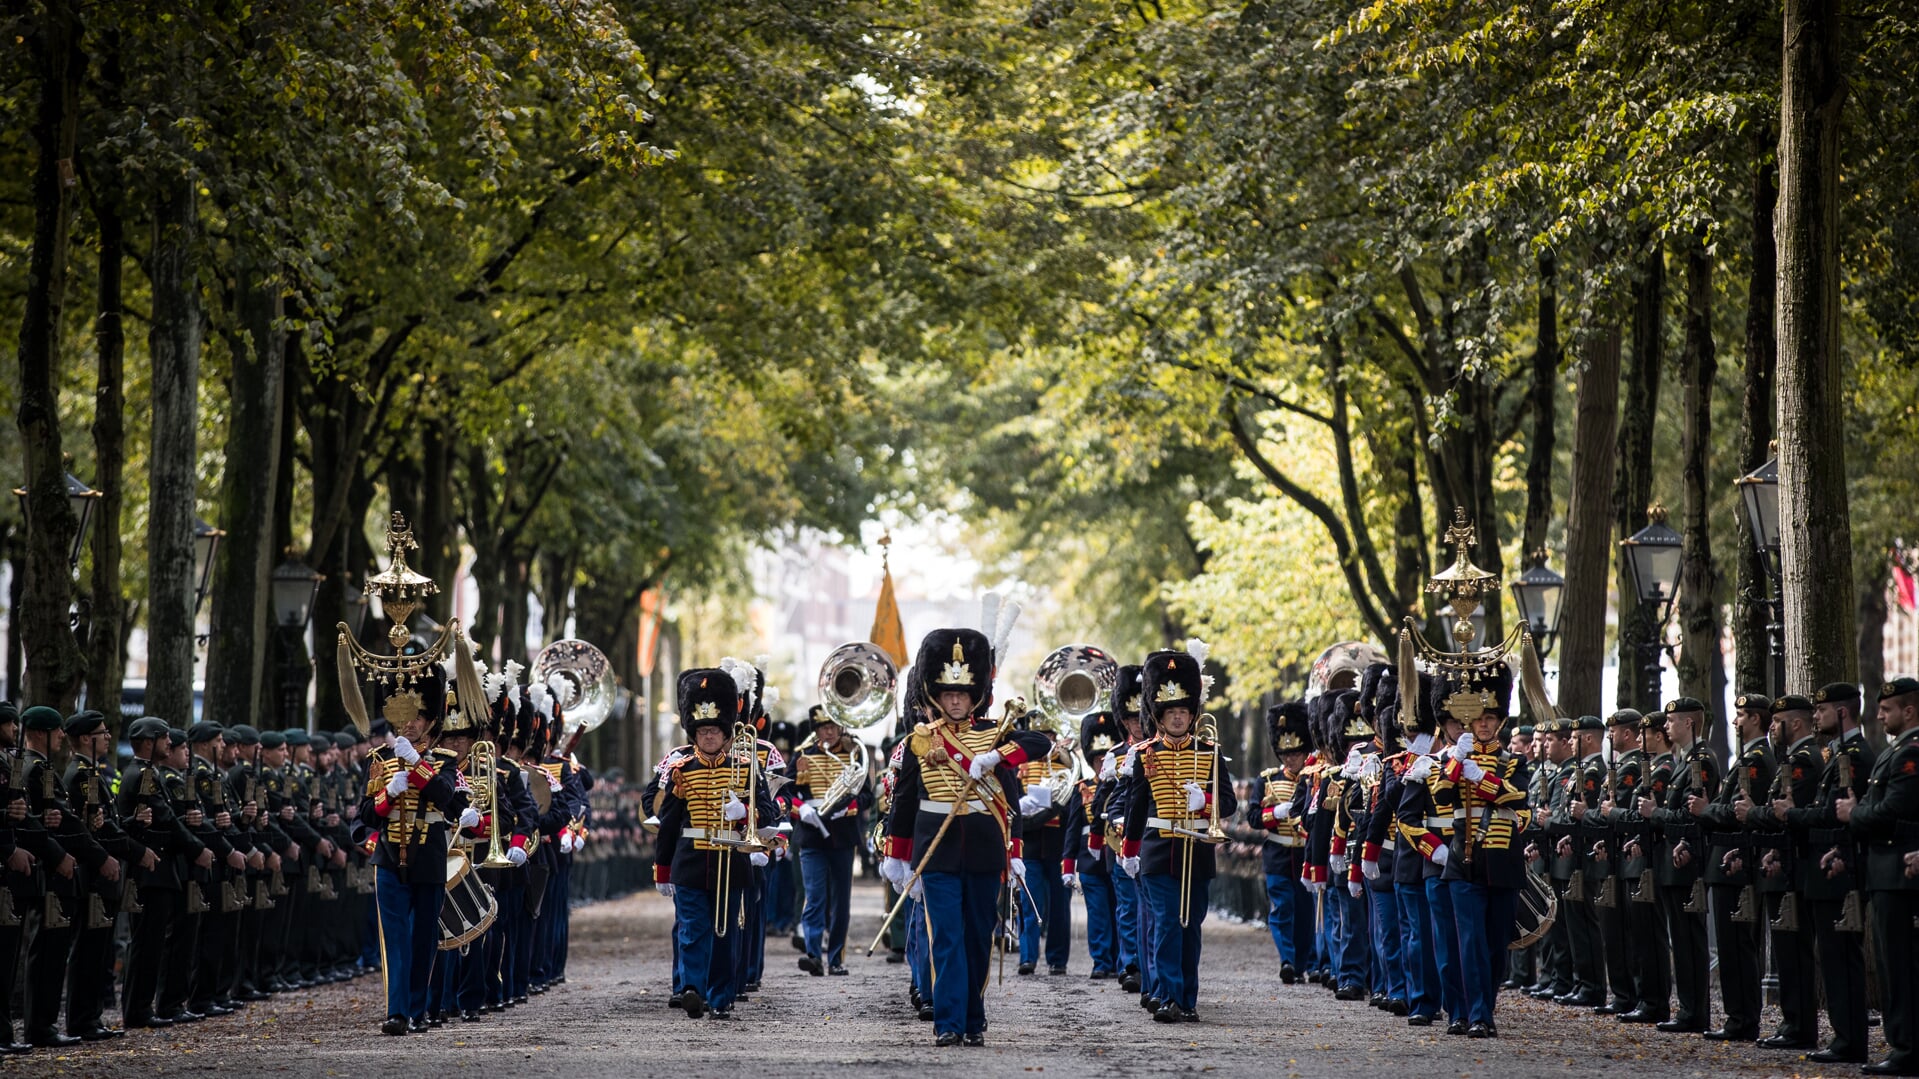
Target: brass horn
[
  {"x": 587, "y": 688},
  {"x": 857, "y": 685}
]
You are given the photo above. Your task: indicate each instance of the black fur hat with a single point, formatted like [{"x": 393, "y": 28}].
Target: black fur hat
[
  {"x": 1344, "y": 723},
  {"x": 1287, "y": 727},
  {"x": 1369, "y": 700},
  {"x": 1465, "y": 695},
  {"x": 1127, "y": 703},
  {"x": 708, "y": 697},
  {"x": 956, "y": 659},
  {"x": 1171, "y": 679},
  {"x": 1098, "y": 733}
]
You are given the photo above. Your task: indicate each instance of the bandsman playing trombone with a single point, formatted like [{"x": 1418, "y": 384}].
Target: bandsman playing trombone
[{"x": 1179, "y": 792}]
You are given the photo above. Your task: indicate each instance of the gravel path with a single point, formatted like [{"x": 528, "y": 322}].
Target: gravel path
[{"x": 611, "y": 1019}]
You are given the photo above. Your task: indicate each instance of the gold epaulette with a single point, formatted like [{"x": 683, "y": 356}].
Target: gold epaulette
[
  {"x": 1269, "y": 773},
  {"x": 921, "y": 740}
]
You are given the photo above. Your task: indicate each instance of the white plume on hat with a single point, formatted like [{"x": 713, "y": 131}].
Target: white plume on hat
[{"x": 1199, "y": 650}]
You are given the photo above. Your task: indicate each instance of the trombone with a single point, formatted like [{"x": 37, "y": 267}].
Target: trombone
[
  {"x": 484, "y": 761},
  {"x": 749, "y": 842},
  {"x": 1213, "y": 833}
]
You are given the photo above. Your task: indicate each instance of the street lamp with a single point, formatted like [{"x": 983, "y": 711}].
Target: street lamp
[
  {"x": 1759, "y": 491},
  {"x": 356, "y": 606},
  {"x": 1537, "y": 593},
  {"x": 295, "y": 584},
  {"x": 82, "y": 498},
  {"x": 1652, "y": 554},
  {"x": 206, "y": 541}
]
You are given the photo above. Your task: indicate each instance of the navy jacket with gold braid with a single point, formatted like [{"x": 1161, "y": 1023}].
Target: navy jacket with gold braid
[{"x": 409, "y": 834}]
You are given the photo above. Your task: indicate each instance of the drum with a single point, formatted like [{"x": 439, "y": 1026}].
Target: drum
[
  {"x": 469, "y": 909},
  {"x": 1535, "y": 912}
]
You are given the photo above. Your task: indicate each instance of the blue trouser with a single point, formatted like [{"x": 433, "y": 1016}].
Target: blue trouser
[
  {"x": 1101, "y": 946},
  {"x": 483, "y": 970},
  {"x": 779, "y": 896},
  {"x": 1126, "y": 906},
  {"x": 710, "y": 961},
  {"x": 1283, "y": 903},
  {"x": 1422, "y": 971},
  {"x": 1386, "y": 943},
  {"x": 1035, "y": 911},
  {"x": 1175, "y": 946},
  {"x": 1445, "y": 945},
  {"x": 443, "y": 994},
  {"x": 409, "y": 938},
  {"x": 525, "y": 930},
  {"x": 1478, "y": 912},
  {"x": 964, "y": 908},
  {"x": 1328, "y": 936},
  {"x": 563, "y": 920},
  {"x": 829, "y": 890},
  {"x": 752, "y": 954},
  {"x": 1059, "y": 915},
  {"x": 1148, "y": 943},
  {"x": 1354, "y": 945},
  {"x": 369, "y": 933},
  {"x": 918, "y": 955}
]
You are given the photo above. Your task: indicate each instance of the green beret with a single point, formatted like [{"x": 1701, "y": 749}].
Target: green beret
[
  {"x": 83, "y": 723},
  {"x": 1653, "y": 721},
  {"x": 146, "y": 727},
  {"x": 272, "y": 740},
  {"x": 1837, "y": 693},
  {"x": 41, "y": 718},
  {"x": 1899, "y": 687},
  {"x": 1684, "y": 704},
  {"x": 204, "y": 731},
  {"x": 346, "y": 739},
  {"x": 1793, "y": 702},
  {"x": 297, "y": 736},
  {"x": 1589, "y": 723},
  {"x": 9, "y": 712},
  {"x": 1525, "y": 730},
  {"x": 176, "y": 736},
  {"x": 241, "y": 734},
  {"x": 1625, "y": 717},
  {"x": 1754, "y": 702}
]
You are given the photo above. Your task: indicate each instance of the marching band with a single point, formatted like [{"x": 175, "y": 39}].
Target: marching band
[{"x": 1420, "y": 848}]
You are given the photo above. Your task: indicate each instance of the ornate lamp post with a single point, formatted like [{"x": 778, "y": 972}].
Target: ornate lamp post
[
  {"x": 294, "y": 586},
  {"x": 1537, "y": 594},
  {"x": 82, "y": 498},
  {"x": 1652, "y": 554},
  {"x": 1759, "y": 492}
]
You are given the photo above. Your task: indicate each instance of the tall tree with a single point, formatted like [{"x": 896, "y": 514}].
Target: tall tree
[
  {"x": 1632, "y": 483},
  {"x": 1702, "y": 664},
  {"x": 1815, "y": 532},
  {"x": 1752, "y": 620},
  {"x": 55, "y": 663},
  {"x": 1589, "y": 524}
]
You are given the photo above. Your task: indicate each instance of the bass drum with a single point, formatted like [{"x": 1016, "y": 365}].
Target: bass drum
[
  {"x": 1535, "y": 912},
  {"x": 470, "y": 908}
]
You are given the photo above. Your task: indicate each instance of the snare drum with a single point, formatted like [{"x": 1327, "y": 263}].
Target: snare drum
[{"x": 470, "y": 908}]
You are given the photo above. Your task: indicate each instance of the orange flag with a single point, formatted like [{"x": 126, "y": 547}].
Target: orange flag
[
  {"x": 648, "y": 651},
  {"x": 888, "y": 632}
]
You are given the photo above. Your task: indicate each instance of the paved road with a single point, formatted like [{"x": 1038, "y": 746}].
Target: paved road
[{"x": 612, "y": 1020}]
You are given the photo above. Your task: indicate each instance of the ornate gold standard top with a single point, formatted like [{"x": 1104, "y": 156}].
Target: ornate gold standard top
[
  {"x": 400, "y": 589},
  {"x": 1462, "y": 584}
]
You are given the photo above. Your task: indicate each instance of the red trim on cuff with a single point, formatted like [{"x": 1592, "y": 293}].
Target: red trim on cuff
[
  {"x": 518, "y": 842},
  {"x": 1339, "y": 844},
  {"x": 1096, "y": 842},
  {"x": 1369, "y": 853},
  {"x": 1016, "y": 849},
  {"x": 1015, "y": 756},
  {"x": 1067, "y": 868},
  {"x": 370, "y": 842},
  {"x": 1129, "y": 849},
  {"x": 1453, "y": 771},
  {"x": 420, "y": 774},
  {"x": 382, "y": 803},
  {"x": 899, "y": 846},
  {"x": 662, "y": 873},
  {"x": 1315, "y": 874}
]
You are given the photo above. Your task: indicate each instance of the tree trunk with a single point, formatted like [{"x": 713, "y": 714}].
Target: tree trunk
[
  {"x": 16, "y": 585},
  {"x": 438, "y": 532},
  {"x": 1582, "y": 632},
  {"x": 55, "y": 663},
  {"x": 242, "y": 597},
  {"x": 172, "y": 463},
  {"x": 1544, "y": 394},
  {"x": 1875, "y": 576},
  {"x": 513, "y": 609},
  {"x": 1816, "y": 531},
  {"x": 1702, "y": 667},
  {"x": 105, "y": 660},
  {"x": 1632, "y": 484},
  {"x": 1751, "y": 614},
  {"x": 556, "y": 591}
]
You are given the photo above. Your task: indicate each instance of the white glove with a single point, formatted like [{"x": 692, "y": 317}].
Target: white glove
[
  {"x": 404, "y": 750},
  {"x": 1017, "y": 866},
  {"x": 1130, "y": 865},
  {"x": 1195, "y": 797},
  {"x": 758, "y": 858},
  {"x": 918, "y": 890},
  {"x": 1108, "y": 768},
  {"x": 469, "y": 817},
  {"x": 1441, "y": 853},
  {"x": 1315, "y": 888},
  {"x": 1371, "y": 769},
  {"x": 1356, "y": 888},
  {"x": 516, "y": 855},
  {"x": 1369, "y": 869},
  {"x": 984, "y": 763},
  {"x": 1471, "y": 770},
  {"x": 1339, "y": 864},
  {"x": 1043, "y": 791},
  {"x": 896, "y": 870},
  {"x": 664, "y": 889},
  {"x": 1071, "y": 880},
  {"x": 734, "y": 809},
  {"x": 809, "y": 815},
  {"x": 568, "y": 843},
  {"x": 1351, "y": 768},
  {"x": 1283, "y": 811},
  {"x": 1463, "y": 748},
  {"x": 1420, "y": 769},
  {"x": 1032, "y": 804},
  {"x": 552, "y": 782},
  {"x": 397, "y": 785}
]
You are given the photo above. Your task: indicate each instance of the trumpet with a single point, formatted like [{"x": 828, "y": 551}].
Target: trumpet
[{"x": 484, "y": 760}]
